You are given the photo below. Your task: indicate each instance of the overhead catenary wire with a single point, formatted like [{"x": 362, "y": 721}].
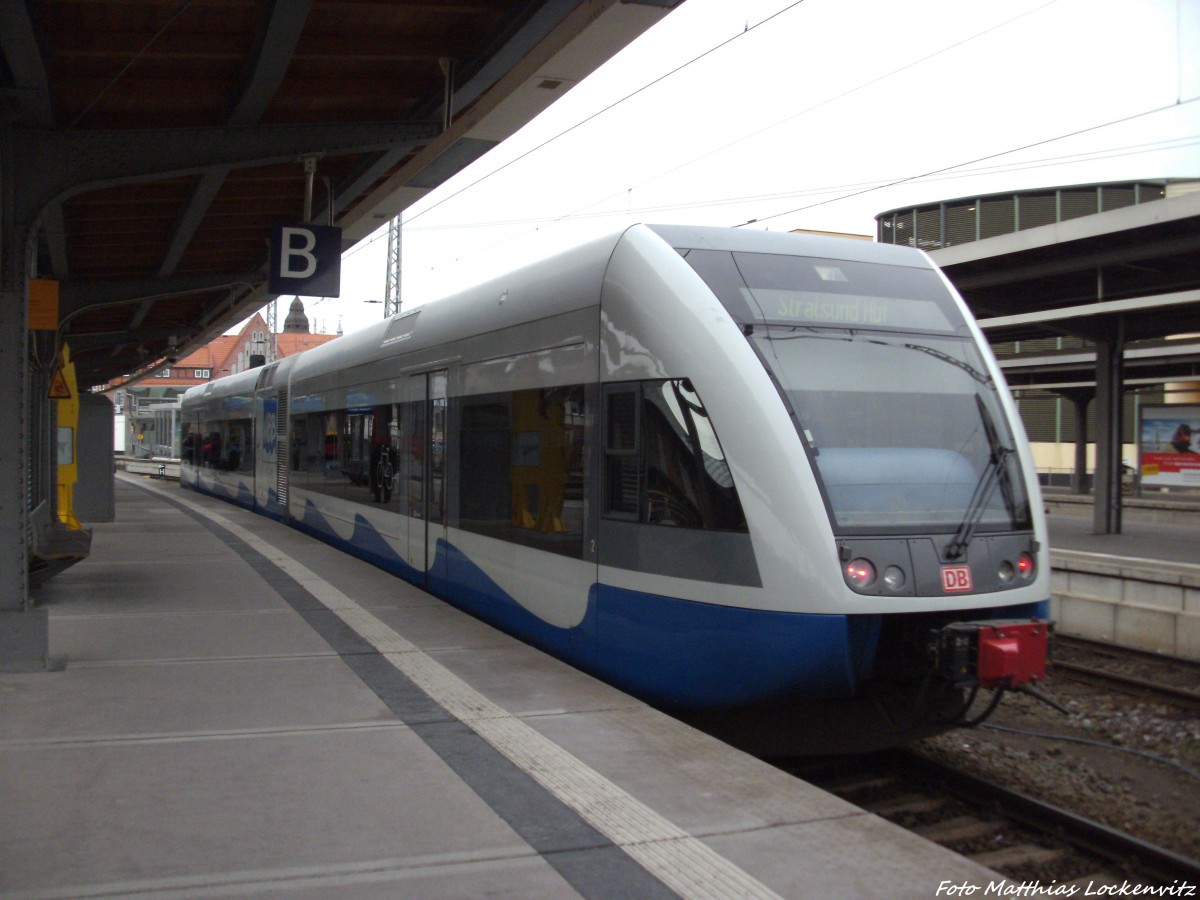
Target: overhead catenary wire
[
  {"x": 841, "y": 192},
  {"x": 1060, "y": 137},
  {"x": 791, "y": 117},
  {"x": 818, "y": 190},
  {"x": 891, "y": 73},
  {"x": 645, "y": 87},
  {"x": 964, "y": 170},
  {"x": 826, "y": 194}
]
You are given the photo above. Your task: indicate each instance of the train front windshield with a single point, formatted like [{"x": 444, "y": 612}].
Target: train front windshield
[{"x": 900, "y": 417}]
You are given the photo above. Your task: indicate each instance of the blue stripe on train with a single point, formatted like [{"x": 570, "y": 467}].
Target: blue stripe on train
[
  {"x": 680, "y": 652},
  {"x": 242, "y": 495},
  {"x": 665, "y": 650},
  {"x": 365, "y": 543},
  {"x": 669, "y": 651}
]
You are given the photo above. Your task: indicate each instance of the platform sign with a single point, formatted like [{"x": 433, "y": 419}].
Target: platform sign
[
  {"x": 43, "y": 305},
  {"x": 306, "y": 260},
  {"x": 1169, "y": 445}
]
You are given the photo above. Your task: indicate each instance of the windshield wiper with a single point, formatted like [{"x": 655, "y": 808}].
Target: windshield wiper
[
  {"x": 809, "y": 335},
  {"x": 981, "y": 377},
  {"x": 996, "y": 472}
]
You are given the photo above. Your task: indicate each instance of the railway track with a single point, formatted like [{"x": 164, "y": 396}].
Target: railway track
[
  {"x": 1022, "y": 838},
  {"x": 1137, "y": 672}
]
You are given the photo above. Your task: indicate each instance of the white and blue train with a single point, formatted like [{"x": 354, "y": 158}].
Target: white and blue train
[{"x": 773, "y": 482}]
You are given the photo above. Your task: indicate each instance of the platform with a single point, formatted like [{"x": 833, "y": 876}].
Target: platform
[
  {"x": 247, "y": 712},
  {"x": 1139, "y": 588}
]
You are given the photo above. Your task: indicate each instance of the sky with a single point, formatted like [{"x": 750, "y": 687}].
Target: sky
[{"x": 816, "y": 114}]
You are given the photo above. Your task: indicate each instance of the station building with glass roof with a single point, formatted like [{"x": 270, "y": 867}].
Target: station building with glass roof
[{"x": 1052, "y": 409}]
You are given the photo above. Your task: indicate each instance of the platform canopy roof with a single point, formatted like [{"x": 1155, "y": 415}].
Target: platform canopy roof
[
  {"x": 152, "y": 145},
  {"x": 1132, "y": 273}
]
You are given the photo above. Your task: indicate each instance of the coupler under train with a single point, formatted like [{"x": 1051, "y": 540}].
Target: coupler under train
[{"x": 992, "y": 653}]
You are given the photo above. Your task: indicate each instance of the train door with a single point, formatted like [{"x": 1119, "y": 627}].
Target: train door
[
  {"x": 422, "y": 474},
  {"x": 270, "y": 437},
  {"x": 266, "y": 441},
  {"x": 436, "y": 519},
  {"x": 266, "y": 417}
]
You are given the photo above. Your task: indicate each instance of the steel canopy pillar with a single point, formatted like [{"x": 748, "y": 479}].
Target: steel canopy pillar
[
  {"x": 1079, "y": 483},
  {"x": 1080, "y": 398},
  {"x": 1106, "y": 513},
  {"x": 24, "y": 632}
]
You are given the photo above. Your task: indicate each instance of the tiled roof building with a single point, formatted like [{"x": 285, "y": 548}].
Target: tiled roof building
[{"x": 149, "y": 406}]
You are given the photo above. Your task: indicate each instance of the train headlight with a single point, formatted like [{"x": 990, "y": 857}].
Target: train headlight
[
  {"x": 1006, "y": 572},
  {"x": 893, "y": 578},
  {"x": 1026, "y": 566},
  {"x": 860, "y": 573}
]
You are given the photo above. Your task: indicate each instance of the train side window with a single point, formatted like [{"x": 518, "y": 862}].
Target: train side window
[
  {"x": 663, "y": 462},
  {"x": 522, "y": 467},
  {"x": 313, "y": 446},
  {"x": 192, "y": 440},
  {"x": 354, "y": 466},
  {"x": 348, "y": 453},
  {"x": 335, "y": 442},
  {"x": 409, "y": 450},
  {"x": 221, "y": 444},
  {"x": 210, "y": 445},
  {"x": 621, "y": 463},
  {"x": 238, "y": 453}
]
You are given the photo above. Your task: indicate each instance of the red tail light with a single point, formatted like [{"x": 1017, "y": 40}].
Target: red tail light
[{"x": 860, "y": 573}]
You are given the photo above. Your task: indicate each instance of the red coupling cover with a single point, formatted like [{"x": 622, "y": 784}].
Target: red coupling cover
[{"x": 1012, "y": 653}]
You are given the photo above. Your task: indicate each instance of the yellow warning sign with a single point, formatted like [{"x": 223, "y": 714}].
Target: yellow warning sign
[{"x": 59, "y": 389}]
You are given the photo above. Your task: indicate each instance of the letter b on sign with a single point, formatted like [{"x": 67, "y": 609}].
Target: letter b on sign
[{"x": 306, "y": 259}]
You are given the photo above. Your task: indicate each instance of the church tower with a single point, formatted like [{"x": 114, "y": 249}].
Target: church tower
[{"x": 296, "y": 321}]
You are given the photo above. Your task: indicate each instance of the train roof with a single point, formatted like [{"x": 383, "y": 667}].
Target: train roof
[
  {"x": 788, "y": 243},
  {"x": 230, "y": 385},
  {"x": 562, "y": 283},
  {"x": 565, "y": 282}
]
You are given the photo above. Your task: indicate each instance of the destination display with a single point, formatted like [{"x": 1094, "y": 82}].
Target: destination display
[
  {"x": 839, "y": 293},
  {"x": 848, "y": 310}
]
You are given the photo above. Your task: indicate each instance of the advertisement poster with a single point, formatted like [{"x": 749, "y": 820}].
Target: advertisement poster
[{"x": 1169, "y": 446}]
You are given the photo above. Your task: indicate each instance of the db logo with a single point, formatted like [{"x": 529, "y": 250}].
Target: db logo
[{"x": 956, "y": 578}]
